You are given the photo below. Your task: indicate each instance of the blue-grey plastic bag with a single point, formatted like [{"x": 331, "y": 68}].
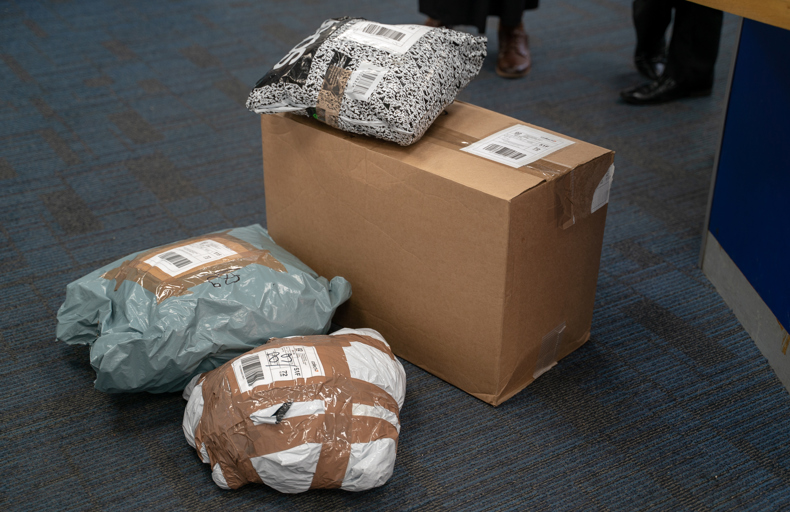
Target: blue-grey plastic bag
[{"x": 159, "y": 317}]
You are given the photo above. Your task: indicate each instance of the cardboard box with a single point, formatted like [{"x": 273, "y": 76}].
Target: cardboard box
[{"x": 482, "y": 274}]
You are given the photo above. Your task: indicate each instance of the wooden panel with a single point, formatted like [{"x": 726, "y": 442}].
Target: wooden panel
[{"x": 772, "y": 12}]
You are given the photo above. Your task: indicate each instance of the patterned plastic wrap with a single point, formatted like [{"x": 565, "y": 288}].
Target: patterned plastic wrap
[
  {"x": 312, "y": 412},
  {"x": 387, "y": 81}
]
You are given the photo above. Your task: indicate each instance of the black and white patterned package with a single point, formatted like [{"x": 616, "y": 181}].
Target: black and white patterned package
[{"x": 387, "y": 81}]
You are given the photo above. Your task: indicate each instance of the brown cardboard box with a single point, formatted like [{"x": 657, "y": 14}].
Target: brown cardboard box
[{"x": 482, "y": 274}]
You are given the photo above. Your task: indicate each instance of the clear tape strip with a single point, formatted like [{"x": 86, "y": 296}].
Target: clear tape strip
[{"x": 548, "y": 350}]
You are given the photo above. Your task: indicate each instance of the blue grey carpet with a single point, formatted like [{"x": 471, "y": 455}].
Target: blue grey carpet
[{"x": 123, "y": 127}]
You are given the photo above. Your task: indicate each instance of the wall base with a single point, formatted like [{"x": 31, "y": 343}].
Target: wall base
[{"x": 755, "y": 316}]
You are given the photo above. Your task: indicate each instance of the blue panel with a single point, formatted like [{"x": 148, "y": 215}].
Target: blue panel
[{"x": 750, "y": 216}]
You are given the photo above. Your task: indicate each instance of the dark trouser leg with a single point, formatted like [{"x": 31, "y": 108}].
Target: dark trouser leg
[
  {"x": 651, "y": 19},
  {"x": 510, "y": 11},
  {"x": 694, "y": 45}
]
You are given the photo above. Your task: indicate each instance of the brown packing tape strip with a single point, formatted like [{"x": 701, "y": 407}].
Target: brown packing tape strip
[
  {"x": 335, "y": 435},
  {"x": 336, "y": 429},
  {"x": 284, "y": 390},
  {"x": 330, "y": 97},
  {"x": 450, "y": 139},
  {"x": 569, "y": 208},
  {"x": 163, "y": 285},
  {"x": 366, "y": 429}
]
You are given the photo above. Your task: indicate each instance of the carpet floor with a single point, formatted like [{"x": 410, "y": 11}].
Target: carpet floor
[{"x": 123, "y": 127}]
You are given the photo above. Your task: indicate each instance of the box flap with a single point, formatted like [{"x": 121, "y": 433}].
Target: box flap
[{"x": 438, "y": 152}]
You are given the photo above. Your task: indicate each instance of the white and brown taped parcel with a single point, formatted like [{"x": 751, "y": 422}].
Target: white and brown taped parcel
[{"x": 299, "y": 413}]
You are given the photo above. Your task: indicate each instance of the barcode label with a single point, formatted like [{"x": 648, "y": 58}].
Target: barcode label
[
  {"x": 178, "y": 260},
  {"x": 502, "y": 150},
  {"x": 380, "y": 31},
  {"x": 390, "y": 38},
  {"x": 517, "y": 146},
  {"x": 277, "y": 364},
  {"x": 252, "y": 369},
  {"x": 363, "y": 81}
]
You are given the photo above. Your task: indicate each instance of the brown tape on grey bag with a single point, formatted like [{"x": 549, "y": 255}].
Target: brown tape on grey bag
[{"x": 163, "y": 285}]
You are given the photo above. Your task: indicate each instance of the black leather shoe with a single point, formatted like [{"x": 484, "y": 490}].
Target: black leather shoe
[
  {"x": 651, "y": 66},
  {"x": 661, "y": 91}
]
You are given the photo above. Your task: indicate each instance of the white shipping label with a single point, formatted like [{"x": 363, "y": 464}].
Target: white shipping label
[
  {"x": 364, "y": 80},
  {"x": 390, "y": 38},
  {"x": 274, "y": 364},
  {"x": 183, "y": 259},
  {"x": 601, "y": 195},
  {"x": 517, "y": 146}
]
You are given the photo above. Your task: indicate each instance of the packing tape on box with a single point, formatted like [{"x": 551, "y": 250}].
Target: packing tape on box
[
  {"x": 580, "y": 191},
  {"x": 453, "y": 139},
  {"x": 575, "y": 190},
  {"x": 579, "y": 194},
  {"x": 583, "y": 193},
  {"x": 547, "y": 358}
]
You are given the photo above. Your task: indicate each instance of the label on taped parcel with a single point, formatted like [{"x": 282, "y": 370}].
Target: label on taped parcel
[
  {"x": 390, "y": 38},
  {"x": 187, "y": 257},
  {"x": 290, "y": 362},
  {"x": 517, "y": 146}
]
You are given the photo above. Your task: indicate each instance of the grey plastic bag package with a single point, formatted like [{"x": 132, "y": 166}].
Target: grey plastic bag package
[
  {"x": 159, "y": 317},
  {"x": 386, "y": 81}
]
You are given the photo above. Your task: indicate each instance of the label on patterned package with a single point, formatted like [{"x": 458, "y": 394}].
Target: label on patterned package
[
  {"x": 182, "y": 259},
  {"x": 390, "y": 38},
  {"x": 517, "y": 146},
  {"x": 601, "y": 195},
  {"x": 364, "y": 80},
  {"x": 282, "y": 363}
]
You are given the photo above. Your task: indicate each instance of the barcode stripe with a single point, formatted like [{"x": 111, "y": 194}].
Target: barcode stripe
[
  {"x": 251, "y": 367},
  {"x": 176, "y": 259},
  {"x": 378, "y": 30},
  {"x": 504, "y": 151},
  {"x": 364, "y": 82}
]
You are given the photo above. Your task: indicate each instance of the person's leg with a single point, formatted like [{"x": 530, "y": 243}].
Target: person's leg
[
  {"x": 513, "y": 60},
  {"x": 690, "y": 61},
  {"x": 447, "y": 13},
  {"x": 511, "y": 11},
  {"x": 694, "y": 45},
  {"x": 651, "y": 19}
]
